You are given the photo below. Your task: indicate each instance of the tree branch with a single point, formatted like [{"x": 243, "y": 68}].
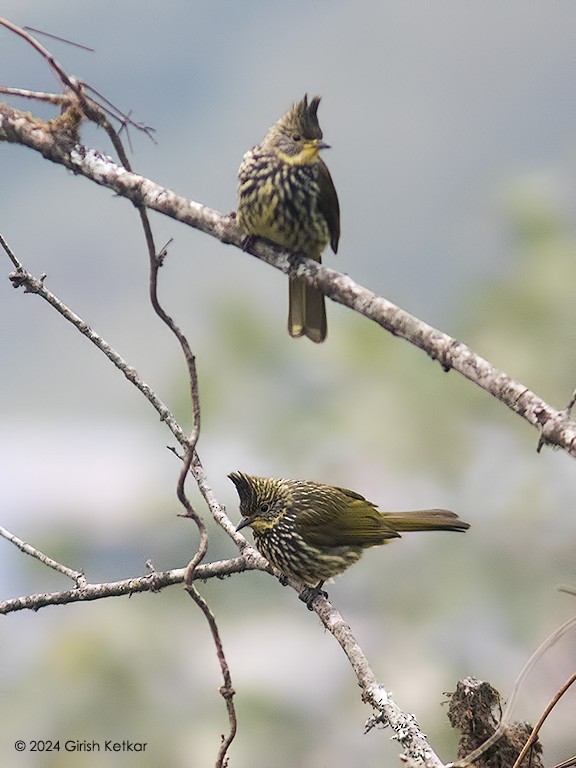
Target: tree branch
[
  {"x": 153, "y": 582},
  {"x": 556, "y": 427},
  {"x": 407, "y": 732}
]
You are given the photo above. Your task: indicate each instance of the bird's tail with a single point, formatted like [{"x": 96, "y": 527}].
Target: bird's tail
[
  {"x": 306, "y": 311},
  {"x": 426, "y": 520}
]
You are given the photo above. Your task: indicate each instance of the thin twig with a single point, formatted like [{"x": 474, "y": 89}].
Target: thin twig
[
  {"x": 543, "y": 648},
  {"x": 59, "y": 39},
  {"x": 156, "y": 261},
  {"x": 112, "y": 110},
  {"x": 226, "y": 690},
  {"x": 77, "y": 576},
  {"x": 22, "y": 278},
  {"x": 567, "y": 763},
  {"x": 52, "y": 98},
  {"x": 539, "y": 724},
  {"x": 44, "y": 52},
  {"x": 91, "y": 109}
]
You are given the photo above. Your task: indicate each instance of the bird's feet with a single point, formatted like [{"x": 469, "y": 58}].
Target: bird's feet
[
  {"x": 248, "y": 242},
  {"x": 309, "y": 595}
]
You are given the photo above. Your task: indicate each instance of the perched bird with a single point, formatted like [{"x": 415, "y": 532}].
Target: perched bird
[
  {"x": 312, "y": 531},
  {"x": 286, "y": 195}
]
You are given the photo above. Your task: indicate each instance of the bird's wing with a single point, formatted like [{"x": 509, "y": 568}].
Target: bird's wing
[
  {"x": 328, "y": 204},
  {"x": 340, "y": 517}
]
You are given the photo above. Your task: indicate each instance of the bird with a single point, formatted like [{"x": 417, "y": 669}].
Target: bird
[
  {"x": 286, "y": 195},
  {"x": 311, "y": 531}
]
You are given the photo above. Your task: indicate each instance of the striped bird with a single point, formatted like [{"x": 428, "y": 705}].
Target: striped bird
[{"x": 286, "y": 195}]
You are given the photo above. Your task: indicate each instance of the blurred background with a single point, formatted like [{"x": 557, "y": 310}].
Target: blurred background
[{"x": 453, "y": 139}]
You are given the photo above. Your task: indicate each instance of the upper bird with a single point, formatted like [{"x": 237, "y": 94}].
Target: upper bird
[
  {"x": 311, "y": 531},
  {"x": 286, "y": 194}
]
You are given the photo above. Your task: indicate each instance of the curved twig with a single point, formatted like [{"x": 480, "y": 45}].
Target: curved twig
[{"x": 542, "y": 719}]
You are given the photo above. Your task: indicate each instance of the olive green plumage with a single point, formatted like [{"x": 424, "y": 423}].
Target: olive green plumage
[
  {"x": 312, "y": 531},
  {"x": 286, "y": 195}
]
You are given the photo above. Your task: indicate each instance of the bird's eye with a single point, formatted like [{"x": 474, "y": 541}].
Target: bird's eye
[
  {"x": 264, "y": 507},
  {"x": 295, "y": 137}
]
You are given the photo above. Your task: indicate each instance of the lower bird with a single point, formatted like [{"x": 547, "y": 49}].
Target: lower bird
[{"x": 311, "y": 531}]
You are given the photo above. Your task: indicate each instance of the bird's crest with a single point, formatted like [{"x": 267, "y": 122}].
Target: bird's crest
[
  {"x": 303, "y": 116},
  {"x": 245, "y": 488}
]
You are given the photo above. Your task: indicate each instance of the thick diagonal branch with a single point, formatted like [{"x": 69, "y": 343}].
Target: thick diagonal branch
[{"x": 555, "y": 426}]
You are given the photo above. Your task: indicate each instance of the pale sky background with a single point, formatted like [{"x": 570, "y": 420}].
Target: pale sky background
[{"x": 448, "y": 122}]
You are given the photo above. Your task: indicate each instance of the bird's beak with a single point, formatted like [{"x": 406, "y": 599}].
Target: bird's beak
[
  {"x": 315, "y": 145},
  {"x": 242, "y": 524}
]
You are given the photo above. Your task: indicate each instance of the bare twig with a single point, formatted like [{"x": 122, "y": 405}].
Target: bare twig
[
  {"x": 115, "y": 112},
  {"x": 156, "y": 261},
  {"x": 542, "y": 719},
  {"x": 23, "y": 279},
  {"x": 567, "y": 763},
  {"x": 226, "y": 690},
  {"x": 543, "y": 648},
  {"x": 51, "y": 98},
  {"x": 59, "y": 39},
  {"x": 77, "y": 577},
  {"x": 76, "y": 96},
  {"x": 44, "y": 52}
]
